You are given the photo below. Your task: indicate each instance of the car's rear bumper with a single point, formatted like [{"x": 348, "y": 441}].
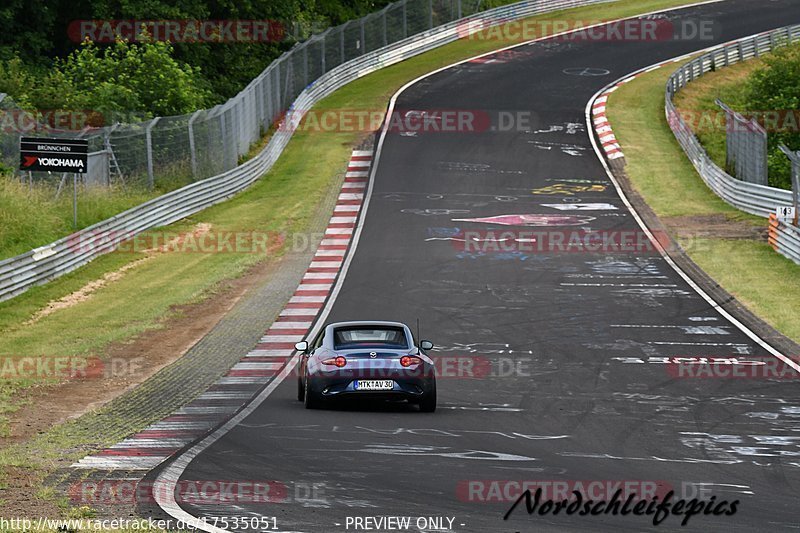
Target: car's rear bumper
[{"x": 403, "y": 388}]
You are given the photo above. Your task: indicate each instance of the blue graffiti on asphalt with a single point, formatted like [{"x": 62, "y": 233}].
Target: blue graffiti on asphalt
[{"x": 444, "y": 232}]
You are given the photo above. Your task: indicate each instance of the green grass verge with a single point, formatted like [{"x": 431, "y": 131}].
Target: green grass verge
[
  {"x": 657, "y": 167},
  {"x": 32, "y": 217}
]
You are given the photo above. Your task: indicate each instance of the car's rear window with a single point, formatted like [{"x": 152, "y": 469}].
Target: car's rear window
[{"x": 351, "y": 337}]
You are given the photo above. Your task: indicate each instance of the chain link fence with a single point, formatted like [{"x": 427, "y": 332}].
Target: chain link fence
[
  {"x": 169, "y": 152},
  {"x": 18, "y": 274},
  {"x": 746, "y": 147}
]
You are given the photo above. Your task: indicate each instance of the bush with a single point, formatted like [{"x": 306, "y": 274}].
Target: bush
[
  {"x": 121, "y": 78},
  {"x": 776, "y": 87}
]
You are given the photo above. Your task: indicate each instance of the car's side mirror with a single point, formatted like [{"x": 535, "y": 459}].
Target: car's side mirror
[
  {"x": 301, "y": 346},
  {"x": 426, "y": 345}
]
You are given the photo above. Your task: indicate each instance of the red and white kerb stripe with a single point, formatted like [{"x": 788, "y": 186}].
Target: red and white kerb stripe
[
  {"x": 160, "y": 440},
  {"x": 606, "y": 135}
]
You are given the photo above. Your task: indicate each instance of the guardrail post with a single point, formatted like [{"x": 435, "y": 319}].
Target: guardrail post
[
  {"x": 192, "y": 147},
  {"x": 149, "y": 140}
]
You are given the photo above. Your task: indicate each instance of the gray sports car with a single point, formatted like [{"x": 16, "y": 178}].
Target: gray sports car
[{"x": 366, "y": 360}]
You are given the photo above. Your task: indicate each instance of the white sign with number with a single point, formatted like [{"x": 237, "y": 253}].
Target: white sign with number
[{"x": 785, "y": 212}]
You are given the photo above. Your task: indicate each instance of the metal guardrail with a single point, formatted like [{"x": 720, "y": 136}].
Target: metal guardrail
[
  {"x": 38, "y": 266},
  {"x": 756, "y": 199},
  {"x": 784, "y": 238}
]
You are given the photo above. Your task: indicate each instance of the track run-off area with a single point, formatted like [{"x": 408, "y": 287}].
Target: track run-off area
[{"x": 559, "y": 368}]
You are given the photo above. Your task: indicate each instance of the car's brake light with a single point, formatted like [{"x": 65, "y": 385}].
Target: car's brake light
[
  {"x": 408, "y": 360},
  {"x": 339, "y": 361}
]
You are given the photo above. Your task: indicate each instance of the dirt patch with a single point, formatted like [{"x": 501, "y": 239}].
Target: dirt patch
[
  {"x": 21, "y": 481},
  {"x": 85, "y": 292},
  {"x": 49, "y": 405},
  {"x": 714, "y": 226}
]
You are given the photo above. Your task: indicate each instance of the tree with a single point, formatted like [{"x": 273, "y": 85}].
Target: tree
[{"x": 128, "y": 77}]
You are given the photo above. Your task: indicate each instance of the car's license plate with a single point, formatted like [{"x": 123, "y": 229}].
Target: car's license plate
[{"x": 374, "y": 384}]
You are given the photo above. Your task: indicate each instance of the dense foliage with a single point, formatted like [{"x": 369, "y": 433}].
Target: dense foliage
[
  {"x": 776, "y": 87},
  {"x": 43, "y": 67}
]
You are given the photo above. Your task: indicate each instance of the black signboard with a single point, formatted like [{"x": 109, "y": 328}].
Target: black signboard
[{"x": 54, "y": 155}]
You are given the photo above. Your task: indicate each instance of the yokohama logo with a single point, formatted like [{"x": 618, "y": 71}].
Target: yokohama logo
[{"x": 52, "y": 162}]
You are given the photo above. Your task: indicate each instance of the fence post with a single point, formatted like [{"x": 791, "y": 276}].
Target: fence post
[
  {"x": 341, "y": 41},
  {"x": 385, "y": 36},
  {"x": 324, "y": 38},
  {"x": 192, "y": 147},
  {"x": 430, "y": 14},
  {"x": 459, "y": 9},
  {"x": 223, "y": 139},
  {"x": 149, "y": 140},
  {"x": 363, "y": 38},
  {"x": 405, "y": 19},
  {"x": 305, "y": 65},
  {"x": 794, "y": 157}
]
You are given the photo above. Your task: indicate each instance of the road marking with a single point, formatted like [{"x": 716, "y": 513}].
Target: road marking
[
  {"x": 280, "y": 338},
  {"x": 322, "y": 264},
  {"x": 290, "y": 325},
  {"x": 298, "y": 311}
]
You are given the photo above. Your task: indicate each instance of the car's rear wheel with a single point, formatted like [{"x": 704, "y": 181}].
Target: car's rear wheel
[
  {"x": 428, "y": 402},
  {"x": 312, "y": 399}
]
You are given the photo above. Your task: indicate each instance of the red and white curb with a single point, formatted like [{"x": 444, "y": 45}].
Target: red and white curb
[
  {"x": 608, "y": 141},
  {"x": 159, "y": 441}
]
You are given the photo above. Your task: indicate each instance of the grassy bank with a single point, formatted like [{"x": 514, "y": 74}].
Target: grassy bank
[
  {"x": 657, "y": 167},
  {"x": 697, "y": 100}
]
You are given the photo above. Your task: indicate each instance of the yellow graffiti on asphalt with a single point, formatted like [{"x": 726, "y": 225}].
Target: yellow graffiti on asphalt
[{"x": 568, "y": 189}]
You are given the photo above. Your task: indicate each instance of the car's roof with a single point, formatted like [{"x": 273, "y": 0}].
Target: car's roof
[{"x": 367, "y": 323}]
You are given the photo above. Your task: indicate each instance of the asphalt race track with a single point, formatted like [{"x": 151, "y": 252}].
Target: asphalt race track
[{"x": 562, "y": 385}]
